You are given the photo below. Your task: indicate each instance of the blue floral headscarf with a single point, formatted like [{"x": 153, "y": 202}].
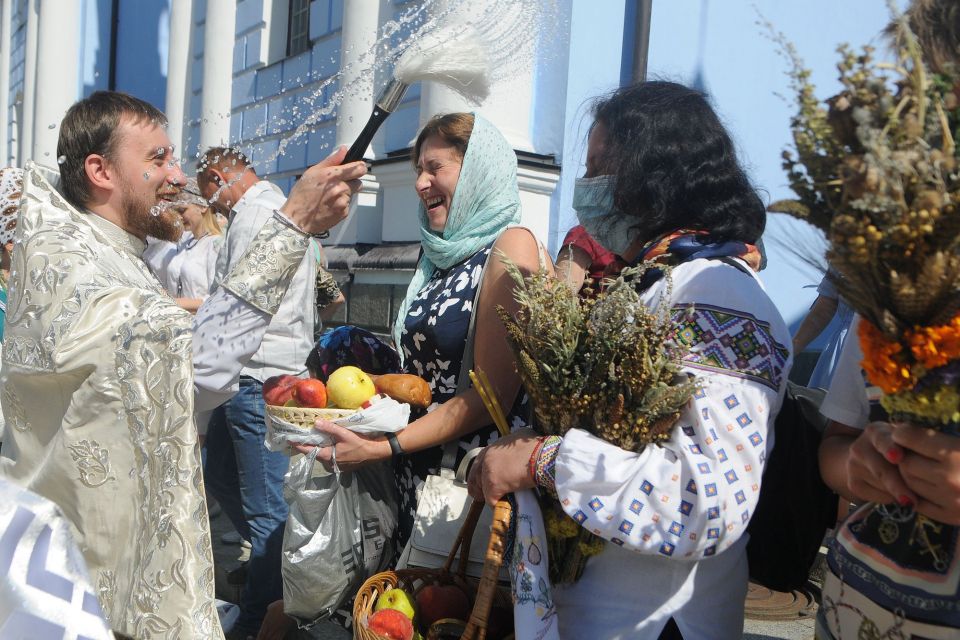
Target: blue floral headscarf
[{"x": 485, "y": 202}]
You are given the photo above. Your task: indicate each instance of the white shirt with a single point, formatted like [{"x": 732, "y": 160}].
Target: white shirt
[
  {"x": 849, "y": 397},
  {"x": 186, "y": 269},
  {"x": 676, "y": 514},
  {"x": 288, "y": 339}
]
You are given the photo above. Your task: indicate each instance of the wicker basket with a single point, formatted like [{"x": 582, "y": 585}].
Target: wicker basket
[
  {"x": 306, "y": 417},
  {"x": 483, "y": 592}
]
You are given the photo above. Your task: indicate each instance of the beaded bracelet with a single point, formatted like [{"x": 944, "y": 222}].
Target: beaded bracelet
[
  {"x": 534, "y": 455},
  {"x": 545, "y": 469}
]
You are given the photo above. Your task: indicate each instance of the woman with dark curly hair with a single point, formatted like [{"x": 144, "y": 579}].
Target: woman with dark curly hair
[{"x": 663, "y": 183}]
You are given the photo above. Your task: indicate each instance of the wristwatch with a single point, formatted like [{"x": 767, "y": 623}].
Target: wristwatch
[{"x": 395, "y": 447}]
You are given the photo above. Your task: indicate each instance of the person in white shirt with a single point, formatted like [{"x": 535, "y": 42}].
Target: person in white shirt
[
  {"x": 102, "y": 371},
  {"x": 662, "y": 182},
  {"x": 244, "y": 476},
  {"x": 187, "y": 269}
]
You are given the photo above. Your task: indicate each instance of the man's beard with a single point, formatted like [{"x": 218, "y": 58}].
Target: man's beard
[{"x": 141, "y": 222}]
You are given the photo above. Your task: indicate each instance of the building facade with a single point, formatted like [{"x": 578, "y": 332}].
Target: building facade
[{"x": 288, "y": 80}]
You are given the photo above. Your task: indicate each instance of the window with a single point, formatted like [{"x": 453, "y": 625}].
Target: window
[{"x": 298, "y": 27}]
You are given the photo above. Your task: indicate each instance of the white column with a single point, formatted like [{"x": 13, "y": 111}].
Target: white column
[
  {"x": 58, "y": 41},
  {"x": 435, "y": 98},
  {"x": 5, "y": 17},
  {"x": 361, "y": 20},
  {"x": 218, "y": 41},
  {"x": 29, "y": 83},
  {"x": 178, "y": 69}
]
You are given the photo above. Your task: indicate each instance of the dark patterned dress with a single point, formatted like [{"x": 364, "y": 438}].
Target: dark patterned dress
[{"x": 433, "y": 340}]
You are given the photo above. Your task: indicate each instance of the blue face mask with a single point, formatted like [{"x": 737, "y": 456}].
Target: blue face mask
[{"x": 593, "y": 202}]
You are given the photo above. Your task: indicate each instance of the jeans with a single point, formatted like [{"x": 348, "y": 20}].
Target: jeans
[{"x": 247, "y": 481}]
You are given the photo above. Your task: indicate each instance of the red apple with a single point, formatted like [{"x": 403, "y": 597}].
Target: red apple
[
  {"x": 392, "y": 624},
  {"x": 310, "y": 393},
  {"x": 278, "y": 389},
  {"x": 439, "y": 601}
]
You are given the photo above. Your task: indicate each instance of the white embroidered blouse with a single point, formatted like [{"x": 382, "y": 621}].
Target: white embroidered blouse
[{"x": 675, "y": 514}]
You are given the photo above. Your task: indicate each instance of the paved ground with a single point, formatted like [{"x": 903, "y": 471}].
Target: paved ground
[{"x": 229, "y": 557}]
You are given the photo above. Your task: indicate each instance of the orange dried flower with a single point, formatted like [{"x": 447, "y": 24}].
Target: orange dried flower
[
  {"x": 883, "y": 361},
  {"x": 935, "y": 346}
]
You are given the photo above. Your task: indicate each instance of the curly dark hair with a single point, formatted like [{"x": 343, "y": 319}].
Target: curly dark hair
[{"x": 675, "y": 164}]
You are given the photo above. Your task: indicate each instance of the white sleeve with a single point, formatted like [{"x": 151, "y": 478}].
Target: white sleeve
[
  {"x": 847, "y": 401},
  {"x": 231, "y": 322},
  {"x": 692, "y": 496},
  {"x": 212, "y": 253}
]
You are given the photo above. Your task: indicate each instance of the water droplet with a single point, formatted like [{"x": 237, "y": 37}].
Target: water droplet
[
  {"x": 146, "y": 175},
  {"x": 61, "y": 159},
  {"x": 52, "y": 126},
  {"x": 155, "y": 211}
]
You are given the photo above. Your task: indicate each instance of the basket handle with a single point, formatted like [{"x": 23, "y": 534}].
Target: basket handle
[
  {"x": 464, "y": 539},
  {"x": 477, "y": 625}
]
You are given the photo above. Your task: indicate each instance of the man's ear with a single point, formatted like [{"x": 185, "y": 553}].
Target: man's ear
[
  {"x": 218, "y": 176},
  {"x": 99, "y": 172}
]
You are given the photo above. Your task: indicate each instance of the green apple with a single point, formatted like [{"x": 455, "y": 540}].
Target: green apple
[
  {"x": 349, "y": 387},
  {"x": 396, "y": 599}
]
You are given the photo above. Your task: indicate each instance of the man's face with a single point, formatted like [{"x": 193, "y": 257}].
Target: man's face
[
  {"x": 221, "y": 189},
  {"x": 147, "y": 176}
]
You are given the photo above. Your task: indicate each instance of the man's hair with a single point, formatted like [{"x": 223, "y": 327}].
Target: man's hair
[
  {"x": 91, "y": 126},
  {"x": 229, "y": 158}
]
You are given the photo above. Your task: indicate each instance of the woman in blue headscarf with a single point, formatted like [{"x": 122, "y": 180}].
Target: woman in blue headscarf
[{"x": 469, "y": 202}]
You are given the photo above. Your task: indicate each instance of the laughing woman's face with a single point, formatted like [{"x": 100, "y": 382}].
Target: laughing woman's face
[{"x": 438, "y": 171}]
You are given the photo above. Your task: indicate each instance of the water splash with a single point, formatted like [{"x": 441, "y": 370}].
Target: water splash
[{"x": 507, "y": 31}]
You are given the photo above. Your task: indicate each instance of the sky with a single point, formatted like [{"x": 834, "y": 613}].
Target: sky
[{"x": 744, "y": 75}]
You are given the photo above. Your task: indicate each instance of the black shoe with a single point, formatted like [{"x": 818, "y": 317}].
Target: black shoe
[{"x": 237, "y": 577}]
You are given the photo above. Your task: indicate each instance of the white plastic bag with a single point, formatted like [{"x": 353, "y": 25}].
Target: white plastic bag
[
  {"x": 385, "y": 415},
  {"x": 339, "y": 532}
]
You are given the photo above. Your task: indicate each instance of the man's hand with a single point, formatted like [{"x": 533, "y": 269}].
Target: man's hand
[
  {"x": 321, "y": 197},
  {"x": 931, "y": 468}
]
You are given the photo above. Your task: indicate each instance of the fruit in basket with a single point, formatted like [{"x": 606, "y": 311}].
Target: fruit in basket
[
  {"x": 310, "y": 393},
  {"x": 278, "y": 389},
  {"x": 392, "y": 624},
  {"x": 405, "y": 387},
  {"x": 349, "y": 387},
  {"x": 439, "y": 601},
  {"x": 397, "y": 599}
]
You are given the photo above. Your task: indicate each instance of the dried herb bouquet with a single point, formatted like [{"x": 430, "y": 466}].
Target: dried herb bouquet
[
  {"x": 875, "y": 168},
  {"x": 609, "y": 365}
]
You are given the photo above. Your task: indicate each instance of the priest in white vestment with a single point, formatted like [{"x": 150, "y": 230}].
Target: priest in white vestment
[{"x": 99, "y": 362}]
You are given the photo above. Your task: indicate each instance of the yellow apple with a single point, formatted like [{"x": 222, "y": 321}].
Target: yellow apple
[
  {"x": 396, "y": 599},
  {"x": 349, "y": 388}
]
